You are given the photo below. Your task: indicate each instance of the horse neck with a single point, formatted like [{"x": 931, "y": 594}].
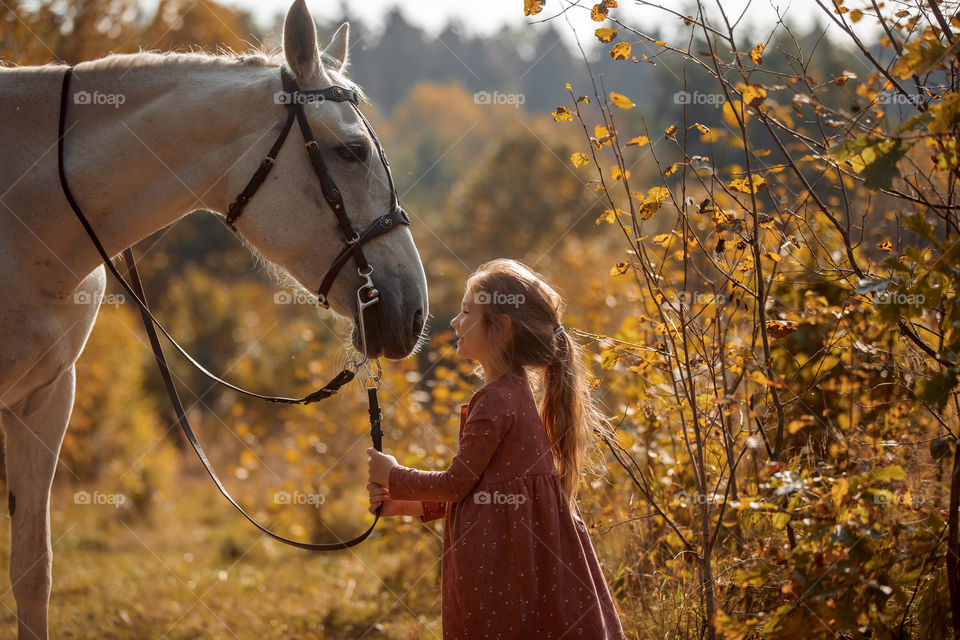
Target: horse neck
[{"x": 180, "y": 140}]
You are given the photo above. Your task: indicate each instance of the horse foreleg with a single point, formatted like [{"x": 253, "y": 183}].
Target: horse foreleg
[{"x": 33, "y": 433}]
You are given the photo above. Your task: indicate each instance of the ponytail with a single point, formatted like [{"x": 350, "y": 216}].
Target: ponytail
[{"x": 569, "y": 413}]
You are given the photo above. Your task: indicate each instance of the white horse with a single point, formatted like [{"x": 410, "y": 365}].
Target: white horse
[{"x": 156, "y": 137}]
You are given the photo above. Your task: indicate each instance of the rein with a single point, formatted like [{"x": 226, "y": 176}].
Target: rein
[{"x": 367, "y": 294}]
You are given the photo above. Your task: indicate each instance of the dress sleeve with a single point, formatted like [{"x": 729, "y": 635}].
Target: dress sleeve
[
  {"x": 433, "y": 509},
  {"x": 483, "y": 430}
]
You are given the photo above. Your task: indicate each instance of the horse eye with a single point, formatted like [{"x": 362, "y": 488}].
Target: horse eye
[{"x": 353, "y": 152}]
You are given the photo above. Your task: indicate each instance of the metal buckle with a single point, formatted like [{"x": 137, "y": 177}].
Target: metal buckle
[
  {"x": 361, "y": 307},
  {"x": 376, "y": 379},
  {"x": 353, "y": 240}
]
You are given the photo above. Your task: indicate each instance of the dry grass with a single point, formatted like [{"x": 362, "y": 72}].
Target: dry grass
[{"x": 195, "y": 569}]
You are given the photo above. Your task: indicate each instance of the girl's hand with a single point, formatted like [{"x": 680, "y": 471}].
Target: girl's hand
[
  {"x": 379, "y": 494},
  {"x": 380, "y": 465}
]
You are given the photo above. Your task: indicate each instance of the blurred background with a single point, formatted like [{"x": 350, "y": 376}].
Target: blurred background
[{"x": 463, "y": 99}]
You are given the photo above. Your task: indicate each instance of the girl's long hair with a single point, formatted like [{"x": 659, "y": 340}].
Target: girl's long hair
[{"x": 571, "y": 417}]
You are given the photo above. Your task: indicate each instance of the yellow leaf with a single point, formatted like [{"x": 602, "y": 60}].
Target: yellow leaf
[
  {"x": 759, "y": 378},
  {"x": 617, "y": 174},
  {"x": 620, "y": 51},
  {"x": 780, "y": 328},
  {"x": 619, "y": 269},
  {"x": 599, "y": 12},
  {"x": 796, "y": 425},
  {"x": 609, "y": 215},
  {"x": 732, "y": 115},
  {"x": 671, "y": 130},
  {"x": 754, "y": 95},
  {"x": 651, "y": 202},
  {"x": 621, "y": 101},
  {"x": 661, "y": 43},
  {"x": 702, "y": 128},
  {"x": 602, "y": 134},
  {"x": 662, "y": 238},
  {"x": 532, "y": 7},
  {"x": 750, "y": 184},
  {"x": 604, "y": 34},
  {"x": 886, "y": 245},
  {"x": 671, "y": 169},
  {"x": 608, "y": 358},
  {"x": 568, "y": 87},
  {"x": 657, "y": 194},
  {"x": 762, "y": 153},
  {"x": 579, "y": 159},
  {"x": 562, "y": 114},
  {"x": 639, "y": 141},
  {"x": 756, "y": 54},
  {"x": 839, "y": 490}
]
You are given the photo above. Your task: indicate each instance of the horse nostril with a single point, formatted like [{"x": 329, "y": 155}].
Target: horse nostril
[{"x": 417, "y": 322}]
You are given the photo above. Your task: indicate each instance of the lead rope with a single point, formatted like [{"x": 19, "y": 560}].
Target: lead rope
[{"x": 376, "y": 433}]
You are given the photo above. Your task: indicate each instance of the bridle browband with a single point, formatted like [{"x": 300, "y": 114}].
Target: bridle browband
[{"x": 293, "y": 97}]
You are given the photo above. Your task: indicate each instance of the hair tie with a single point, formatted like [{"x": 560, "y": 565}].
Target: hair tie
[{"x": 559, "y": 329}]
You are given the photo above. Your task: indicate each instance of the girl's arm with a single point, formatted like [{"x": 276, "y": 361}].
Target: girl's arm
[
  {"x": 483, "y": 431},
  {"x": 426, "y": 511},
  {"x": 380, "y": 495}
]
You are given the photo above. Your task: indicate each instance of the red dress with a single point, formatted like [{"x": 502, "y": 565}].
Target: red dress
[{"x": 516, "y": 562}]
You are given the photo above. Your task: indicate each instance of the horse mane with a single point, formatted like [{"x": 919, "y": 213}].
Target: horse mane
[{"x": 225, "y": 57}]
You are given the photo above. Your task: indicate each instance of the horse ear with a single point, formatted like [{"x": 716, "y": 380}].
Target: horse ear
[
  {"x": 300, "y": 42},
  {"x": 337, "y": 49}
]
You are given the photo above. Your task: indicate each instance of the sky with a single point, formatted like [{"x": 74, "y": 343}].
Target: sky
[{"x": 488, "y": 16}]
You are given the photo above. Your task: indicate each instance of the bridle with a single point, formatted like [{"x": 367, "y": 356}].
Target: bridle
[
  {"x": 294, "y": 97},
  {"x": 367, "y": 294}
]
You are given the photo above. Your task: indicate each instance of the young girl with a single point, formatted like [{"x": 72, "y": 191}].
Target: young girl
[{"x": 517, "y": 561}]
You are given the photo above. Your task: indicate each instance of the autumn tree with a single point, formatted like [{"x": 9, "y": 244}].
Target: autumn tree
[{"x": 795, "y": 331}]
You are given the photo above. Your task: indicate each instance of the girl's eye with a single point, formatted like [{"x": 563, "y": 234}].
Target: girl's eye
[{"x": 353, "y": 152}]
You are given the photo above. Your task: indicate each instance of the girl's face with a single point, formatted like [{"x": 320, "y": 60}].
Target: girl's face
[{"x": 470, "y": 332}]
